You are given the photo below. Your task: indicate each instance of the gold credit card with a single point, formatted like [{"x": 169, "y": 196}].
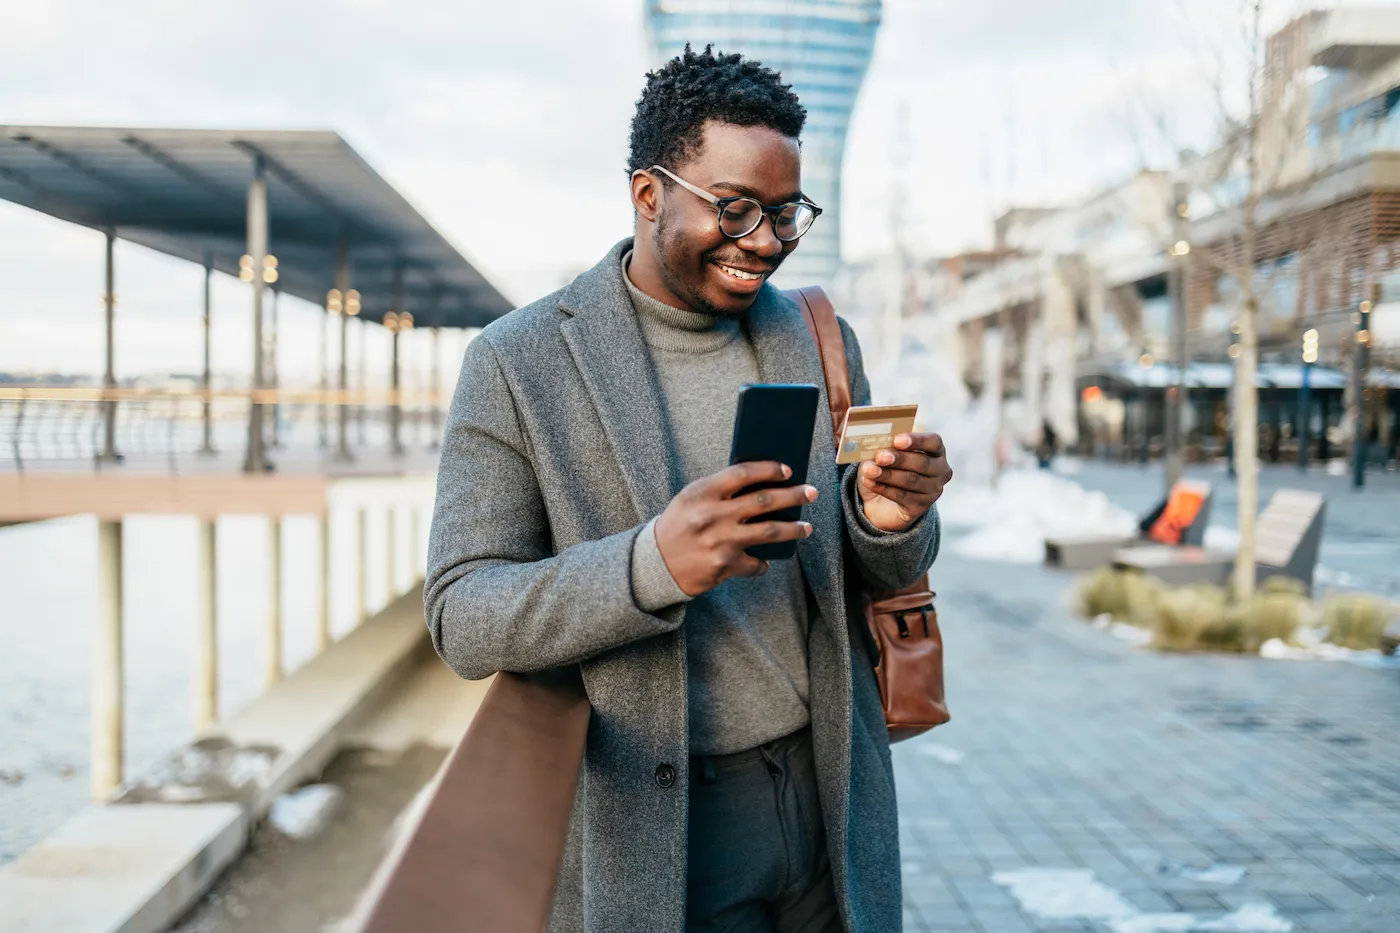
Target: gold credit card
[{"x": 873, "y": 427}]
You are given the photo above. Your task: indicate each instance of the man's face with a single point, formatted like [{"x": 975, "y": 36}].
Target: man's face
[{"x": 691, "y": 252}]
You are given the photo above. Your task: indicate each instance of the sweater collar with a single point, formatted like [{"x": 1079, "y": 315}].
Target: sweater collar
[{"x": 677, "y": 330}]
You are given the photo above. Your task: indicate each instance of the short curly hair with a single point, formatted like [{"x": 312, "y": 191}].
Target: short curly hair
[{"x": 695, "y": 87}]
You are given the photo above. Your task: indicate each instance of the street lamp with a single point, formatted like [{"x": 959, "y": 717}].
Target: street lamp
[
  {"x": 1362, "y": 361},
  {"x": 1232, "y": 398},
  {"x": 1305, "y": 396},
  {"x": 1145, "y": 363}
]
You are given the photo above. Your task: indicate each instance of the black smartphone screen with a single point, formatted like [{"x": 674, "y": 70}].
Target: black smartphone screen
[{"x": 775, "y": 422}]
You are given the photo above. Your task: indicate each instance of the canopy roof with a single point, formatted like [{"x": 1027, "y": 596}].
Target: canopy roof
[
  {"x": 184, "y": 193},
  {"x": 1207, "y": 375}
]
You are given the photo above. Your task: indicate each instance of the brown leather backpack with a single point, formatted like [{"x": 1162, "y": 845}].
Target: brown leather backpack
[{"x": 903, "y": 624}]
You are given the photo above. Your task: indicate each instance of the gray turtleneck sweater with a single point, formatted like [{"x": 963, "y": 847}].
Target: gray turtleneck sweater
[{"x": 746, "y": 639}]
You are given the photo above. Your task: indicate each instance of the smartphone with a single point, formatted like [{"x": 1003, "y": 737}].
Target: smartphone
[{"x": 775, "y": 422}]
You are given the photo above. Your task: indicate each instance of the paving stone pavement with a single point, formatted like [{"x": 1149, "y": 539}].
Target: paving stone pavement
[{"x": 1070, "y": 749}]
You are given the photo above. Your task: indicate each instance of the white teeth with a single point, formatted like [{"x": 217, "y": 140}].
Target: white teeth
[{"x": 741, "y": 274}]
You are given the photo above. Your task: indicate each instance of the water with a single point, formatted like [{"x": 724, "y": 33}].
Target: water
[{"x": 48, "y": 606}]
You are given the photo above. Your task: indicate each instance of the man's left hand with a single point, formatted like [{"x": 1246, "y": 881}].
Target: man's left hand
[{"x": 901, "y": 484}]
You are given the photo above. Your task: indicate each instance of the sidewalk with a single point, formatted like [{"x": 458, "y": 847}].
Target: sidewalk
[{"x": 1072, "y": 750}]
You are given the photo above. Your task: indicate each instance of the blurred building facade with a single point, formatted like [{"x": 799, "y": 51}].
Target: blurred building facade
[
  {"x": 821, "y": 47},
  {"x": 1077, "y": 296}
]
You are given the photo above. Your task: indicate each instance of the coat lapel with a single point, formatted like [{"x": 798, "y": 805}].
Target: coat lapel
[
  {"x": 786, "y": 353},
  {"x": 606, "y": 343}
]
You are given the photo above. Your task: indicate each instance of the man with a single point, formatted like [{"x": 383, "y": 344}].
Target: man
[{"x": 737, "y": 775}]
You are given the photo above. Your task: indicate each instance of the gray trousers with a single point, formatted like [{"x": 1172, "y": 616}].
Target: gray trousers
[{"x": 756, "y": 844}]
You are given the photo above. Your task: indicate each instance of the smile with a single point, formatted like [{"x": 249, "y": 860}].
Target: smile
[{"x": 740, "y": 273}]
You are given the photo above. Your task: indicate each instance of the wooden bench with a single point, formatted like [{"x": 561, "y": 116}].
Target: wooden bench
[
  {"x": 1287, "y": 539},
  {"x": 1086, "y": 552}
]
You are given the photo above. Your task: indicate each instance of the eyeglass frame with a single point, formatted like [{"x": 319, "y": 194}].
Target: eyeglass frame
[{"x": 764, "y": 210}]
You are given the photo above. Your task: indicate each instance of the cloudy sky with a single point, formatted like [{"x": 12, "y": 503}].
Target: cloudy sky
[{"x": 506, "y": 124}]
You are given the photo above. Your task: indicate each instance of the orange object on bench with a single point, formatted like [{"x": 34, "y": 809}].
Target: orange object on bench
[{"x": 1183, "y": 505}]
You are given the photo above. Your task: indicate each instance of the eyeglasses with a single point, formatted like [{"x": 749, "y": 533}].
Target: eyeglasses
[{"x": 739, "y": 216}]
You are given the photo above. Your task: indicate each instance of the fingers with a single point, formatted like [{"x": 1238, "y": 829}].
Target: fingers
[
  {"x": 763, "y": 501},
  {"x": 772, "y": 533},
  {"x": 911, "y": 461},
  {"x": 900, "y": 479},
  {"x": 928, "y": 442},
  {"x": 731, "y": 480},
  {"x": 747, "y": 566}
]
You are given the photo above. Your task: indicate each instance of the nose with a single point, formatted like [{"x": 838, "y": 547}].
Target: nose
[{"x": 763, "y": 241}]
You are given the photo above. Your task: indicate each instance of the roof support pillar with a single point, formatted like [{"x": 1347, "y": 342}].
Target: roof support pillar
[
  {"x": 362, "y": 381},
  {"x": 206, "y": 378},
  {"x": 435, "y": 376},
  {"x": 342, "y": 284},
  {"x": 273, "y": 380},
  {"x": 256, "y": 460},
  {"x": 323, "y": 434},
  {"x": 109, "y": 453},
  {"x": 395, "y": 408}
]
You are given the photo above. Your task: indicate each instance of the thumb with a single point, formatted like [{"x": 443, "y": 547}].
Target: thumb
[{"x": 864, "y": 483}]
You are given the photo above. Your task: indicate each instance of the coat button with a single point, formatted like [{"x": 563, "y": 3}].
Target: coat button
[{"x": 665, "y": 775}]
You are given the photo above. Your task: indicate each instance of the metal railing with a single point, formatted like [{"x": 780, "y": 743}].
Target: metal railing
[{"x": 64, "y": 427}]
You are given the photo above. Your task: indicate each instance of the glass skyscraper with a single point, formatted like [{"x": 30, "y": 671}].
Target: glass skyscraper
[{"x": 822, "y": 48}]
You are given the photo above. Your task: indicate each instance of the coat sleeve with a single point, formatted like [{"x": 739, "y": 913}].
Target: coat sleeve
[
  {"x": 886, "y": 560},
  {"x": 496, "y": 597}
]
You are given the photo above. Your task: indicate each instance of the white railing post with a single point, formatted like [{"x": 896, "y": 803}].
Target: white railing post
[
  {"x": 274, "y": 600},
  {"x": 391, "y": 562},
  {"x": 206, "y": 664},
  {"x": 362, "y": 567},
  {"x": 107, "y": 726},
  {"x": 323, "y": 627}
]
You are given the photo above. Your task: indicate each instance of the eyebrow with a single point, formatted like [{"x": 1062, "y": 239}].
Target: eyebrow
[{"x": 750, "y": 193}]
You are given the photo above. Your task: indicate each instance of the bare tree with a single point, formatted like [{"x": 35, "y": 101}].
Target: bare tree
[{"x": 1258, "y": 123}]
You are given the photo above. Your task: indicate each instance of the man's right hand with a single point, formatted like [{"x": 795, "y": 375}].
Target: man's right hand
[{"x": 704, "y": 531}]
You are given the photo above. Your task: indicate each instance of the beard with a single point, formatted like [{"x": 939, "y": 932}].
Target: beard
[{"x": 661, "y": 241}]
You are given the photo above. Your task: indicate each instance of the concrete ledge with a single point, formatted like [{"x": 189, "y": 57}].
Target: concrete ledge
[
  {"x": 139, "y": 862},
  {"x": 120, "y": 868}
]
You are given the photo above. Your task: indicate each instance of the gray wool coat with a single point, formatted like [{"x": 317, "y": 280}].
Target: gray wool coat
[{"x": 555, "y": 455}]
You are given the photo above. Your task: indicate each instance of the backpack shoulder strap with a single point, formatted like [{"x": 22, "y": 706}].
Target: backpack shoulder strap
[{"x": 820, "y": 317}]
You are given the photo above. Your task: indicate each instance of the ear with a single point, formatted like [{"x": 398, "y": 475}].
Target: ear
[{"x": 646, "y": 195}]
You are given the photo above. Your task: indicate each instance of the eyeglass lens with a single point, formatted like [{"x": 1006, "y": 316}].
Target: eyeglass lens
[{"x": 742, "y": 217}]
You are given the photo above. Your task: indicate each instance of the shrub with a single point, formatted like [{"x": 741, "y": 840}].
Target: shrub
[
  {"x": 1275, "y": 610},
  {"x": 1125, "y": 595},
  {"x": 1195, "y": 617},
  {"x": 1355, "y": 620}
]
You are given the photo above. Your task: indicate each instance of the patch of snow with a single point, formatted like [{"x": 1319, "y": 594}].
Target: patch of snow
[
  {"x": 1075, "y": 894},
  {"x": 1251, "y": 918},
  {"x": 1328, "y": 577},
  {"x": 1064, "y": 894},
  {"x": 943, "y": 753},
  {"x": 1309, "y": 645},
  {"x": 1010, "y": 522},
  {"x": 1154, "y": 923},
  {"x": 1122, "y": 630},
  {"x": 303, "y": 812},
  {"x": 1216, "y": 874},
  {"x": 1220, "y": 538},
  {"x": 181, "y": 793},
  {"x": 1132, "y": 634}
]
